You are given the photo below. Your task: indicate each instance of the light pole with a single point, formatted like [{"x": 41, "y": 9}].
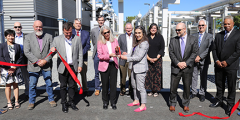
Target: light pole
[{"x": 148, "y": 5}]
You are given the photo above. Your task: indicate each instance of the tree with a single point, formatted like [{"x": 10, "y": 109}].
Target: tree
[
  {"x": 129, "y": 19},
  {"x": 237, "y": 22}
]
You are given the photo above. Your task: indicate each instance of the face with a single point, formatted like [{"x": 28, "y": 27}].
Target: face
[
  {"x": 77, "y": 25},
  {"x": 101, "y": 21},
  {"x": 38, "y": 28},
  {"x": 10, "y": 38},
  {"x": 228, "y": 24},
  {"x": 17, "y": 27},
  {"x": 128, "y": 29},
  {"x": 202, "y": 26},
  {"x": 67, "y": 33},
  {"x": 138, "y": 34},
  {"x": 180, "y": 30},
  {"x": 106, "y": 34},
  {"x": 153, "y": 30}
]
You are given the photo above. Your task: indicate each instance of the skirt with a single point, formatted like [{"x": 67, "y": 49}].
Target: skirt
[{"x": 6, "y": 79}]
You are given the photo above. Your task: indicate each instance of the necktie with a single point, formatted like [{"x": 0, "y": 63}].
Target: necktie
[
  {"x": 182, "y": 46},
  {"x": 199, "y": 39},
  {"x": 225, "y": 36},
  {"x": 77, "y": 33}
]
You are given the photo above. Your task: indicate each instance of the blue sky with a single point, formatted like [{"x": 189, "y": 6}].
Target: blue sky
[{"x": 132, "y": 7}]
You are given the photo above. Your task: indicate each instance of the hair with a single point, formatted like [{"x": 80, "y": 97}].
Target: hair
[
  {"x": 100, "y": 16},
  {"x": 77, "y": 19},
  {"x": 144, "y": 38},
  {"x": 128, "y": 23},
  {"x": 101, "y": 37},
  {"x": 205, "y": 22},
  {"x": 67, "y": 26},
  {"x": 9, "y": 32},
  {"x": 228, "y": 17},
  {"x": 150, "y": 27}
]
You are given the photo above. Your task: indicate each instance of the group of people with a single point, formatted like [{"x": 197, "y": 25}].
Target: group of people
[{"x": 137, "y": 53}]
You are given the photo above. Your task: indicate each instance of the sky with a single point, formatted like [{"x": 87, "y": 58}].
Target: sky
[{"x": 132, "y": 7}]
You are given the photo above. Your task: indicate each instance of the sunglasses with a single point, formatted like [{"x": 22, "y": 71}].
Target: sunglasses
[
  {"x": 178, "y": 30},
  {"x": 201, "y": 25},
  {"x": 17, "y": 26},
  {"x": 106, "y": 32}
]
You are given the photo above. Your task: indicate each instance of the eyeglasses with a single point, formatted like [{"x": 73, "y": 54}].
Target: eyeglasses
[
  {"x": 106, "y": 32},
  {"x": 17, "y": 26},
  {"x": 178, "y": 30},
  {"x": 201, "y": 25}
]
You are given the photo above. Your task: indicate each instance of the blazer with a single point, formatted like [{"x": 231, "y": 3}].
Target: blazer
[
  {"x": 33, "y": 53},
  {"x": 190, "y": 54},
  {"x": 85, "y": 38},
  {"x": 5, "y": 57},
  {"x": 205, "y": 48},
  {"x": 138, "y": 58},
  {"x": 94, "y": 37},
  {"x": 59, "y": 44},
  {"x": 229, "y": 50},
  {"x": 122, "y": 41},
  {"x": 103, "y": 55}
]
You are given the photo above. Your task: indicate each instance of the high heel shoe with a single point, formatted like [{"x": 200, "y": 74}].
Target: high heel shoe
[
  {"x": 140, "y": 110},
  {"x": 131, "y": 104}
]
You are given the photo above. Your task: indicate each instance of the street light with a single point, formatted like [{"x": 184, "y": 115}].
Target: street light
[{"x": 148, "y": 5}]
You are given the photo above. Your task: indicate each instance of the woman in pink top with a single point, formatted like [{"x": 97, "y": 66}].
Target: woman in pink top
[{"x": 107, "y": 48}]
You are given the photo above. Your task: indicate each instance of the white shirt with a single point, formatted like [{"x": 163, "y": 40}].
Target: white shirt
[
  {"x": 129, "y": 43},
  {"x": 19, "y": 40},
  {"x": 68, "y": 46},
  {"x": 109, "y": 50},
  {"x": 228, "y": 33},
  {"x": 185, "y": 40},
  {"x": 201, "y": 36}
]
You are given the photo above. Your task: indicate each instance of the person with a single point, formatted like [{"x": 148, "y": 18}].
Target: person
[
  {"x": 226, "y": 53},
  {"x": 36, "y": 48},
  {"x": 70, "y": 48},
  {"x": 85, "y": 38},
  {"x": 94, "y": 37},
  {"x": 125, "y": 44},
  {"x": 19, "y": 38},
  {"x": 138, "y": 65},
  {"x": 202, "y": 60},
  {"x": 10, "y": 52},
  {"x": 155, "y": 53},
  {"x": 182, "y": 51},
  {"x": 107, "y": 47}
]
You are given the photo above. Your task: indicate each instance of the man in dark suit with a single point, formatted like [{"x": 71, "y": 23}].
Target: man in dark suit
[
  {"x": 202, "y": 60},
  {"x": 226, "y": 53},
  {"x": 125, "y": 43},
  {"x": 85, "y": 38},
  {"x": 182, "y": 51}
]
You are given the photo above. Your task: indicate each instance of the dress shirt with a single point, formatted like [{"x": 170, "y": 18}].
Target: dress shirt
[
  {"x": 129, "y": 43},
  {"x": 40, "y": 40},
  {"x": 201, "y": 36},
  {"x": 78, "y": 33},
  {"x": 185, "y": 40},
  {"x": 68, "y": 46},
  {"x": 228, "y": 33},
  {"x": 19, "y": 40},
  {"x": 110, "y": 50}
]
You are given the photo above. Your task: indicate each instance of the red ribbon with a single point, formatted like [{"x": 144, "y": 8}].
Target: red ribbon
[{"x": 213, "y": 117}]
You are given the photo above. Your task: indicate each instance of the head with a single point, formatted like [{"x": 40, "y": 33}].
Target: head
[
  {"x": 139, "y": 35},
  {"x": 9, "y": 35},
  {"x": 228, "y": 23},
  {"x": 153, "y": 29},
  {"x": 202, "y": 25},
  {"x": 38, "y": 27},
  {"x": 77, "y": 24},
  {"x": 181, "y": 29},
  {"x": 17, "y": 27},
  {"x": 67, "y": 30},
  {"x": 106, "y": 34},
  {"x": 128, "y": 28},
  {"x": 101, "y": 20}
]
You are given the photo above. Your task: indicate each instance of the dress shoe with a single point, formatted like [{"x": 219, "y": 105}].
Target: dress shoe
[
  {"x": 73, "y": 106},
  {"x": 114, "y": 107},
  {"x": 172, "y": 108},
  {"x": 30, "y": 106},
  {"x": 140, "y": 110},
  {"x": 228, "y": 111},
  {"x": 202, "y": 98},
  {"x": 214, "y": 105},
  {"x": 105, "y": 106},
  {"x": 131, "y": 104},
  {"x": 186, "y": 109},
  {"x": 65, "y": 108},
  {"x": 97, "y": 92},
  {"x": 122, "y": 93},
  {"x": 193, "y": 96}
]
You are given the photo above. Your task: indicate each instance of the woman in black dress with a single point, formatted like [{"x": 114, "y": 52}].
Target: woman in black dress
[{"x": 155, "y": 53}]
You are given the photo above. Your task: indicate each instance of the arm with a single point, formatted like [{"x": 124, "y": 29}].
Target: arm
[
  {"x": 50, "y": 42},
  {"x": 235, "y": 54},
  {"x": 80, "y": 55},
  {"x": 205, "y": 53},
  {"x": 214, "y": 52},
  {"x": 27, "y": 50},
  {"x": 19, "y": 61},
  {"x": 193, "y": 55},
  {"x": 162, "y": 43},
  {"x": 100, "y": 52},
  {"x": 172, "y": 53},
  {"x": 138, "y": 56},
  {"x": 87, "y": 46},
  {"x": 120, "y": 44}
]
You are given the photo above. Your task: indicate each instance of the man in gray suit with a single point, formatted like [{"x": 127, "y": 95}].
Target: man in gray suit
[
  {"x": 202, "y": 60},
  {"x": 182, "y": 51},
  {"x": 70, "y": 48},
  {"x": 94, "y": 37},
  {"x": 36, "y": 48},
  {"x": 125, "y": 43}
]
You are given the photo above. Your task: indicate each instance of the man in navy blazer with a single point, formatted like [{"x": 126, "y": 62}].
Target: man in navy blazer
[{"x": 85, "y": 38}]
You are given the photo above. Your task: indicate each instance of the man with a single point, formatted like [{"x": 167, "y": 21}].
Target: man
[
  {"x": 94, "y": 37},
  {"x": 226, "y": 52},
  {"x": 85, "y": 38},
  {"x": 182, "y": 51},
  {"x": 125, "y": 43},
  {"x": 36, "y": 48},
  {"x": 202, "y": 60},
  {"x": 70, "y": 48},
  {"x": 19, "y": 38}
]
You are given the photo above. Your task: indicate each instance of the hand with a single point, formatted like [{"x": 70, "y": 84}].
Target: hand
[
  {"x": 117, "y": 49},
  {"x": 11, "y": 70},
  {"x": 53, "y": 49},
  {"x": 122, "y": 57},
  {"x": 41, "y": 63},
  {"x": 124, "y": 53},
  {"x": 197, "y": 59},
  {"x": 219, "y": 64},
  {"x": 182, "y": 65},
  {"x": 112, "y": 55},
  {"x": 158, "y": 56},
  {"x": 155, "y": 59},
  {"x": 224, "y": 64},
  {"x": 79, "y": 69},
  {"x": 151, "y": 60}
]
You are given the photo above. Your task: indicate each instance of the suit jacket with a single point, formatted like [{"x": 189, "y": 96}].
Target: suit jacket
[
  {"x": 138, "y": 58},
  {"x": 205, "y": 48},
  {"x": 94, "y": 37},
  {"x": 5, "y": 57},
  {"x": 122, "y": 41},
  {"x": 85, "y": 38},
  {"x": 190, "y": 53},
  {"x": 103, "y": 55},
  {"x": 229, "y": 50},
  {"x": 33, "y": 53},
  {"x": 59, "y": 44}
]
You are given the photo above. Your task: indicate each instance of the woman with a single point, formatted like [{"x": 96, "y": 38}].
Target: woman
[
  {"x": 138, "y": 64},
  {"x": 107, "y": 48},
  {"x": 154, "y": 56},
  {"x": 11, "y": 53}
]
